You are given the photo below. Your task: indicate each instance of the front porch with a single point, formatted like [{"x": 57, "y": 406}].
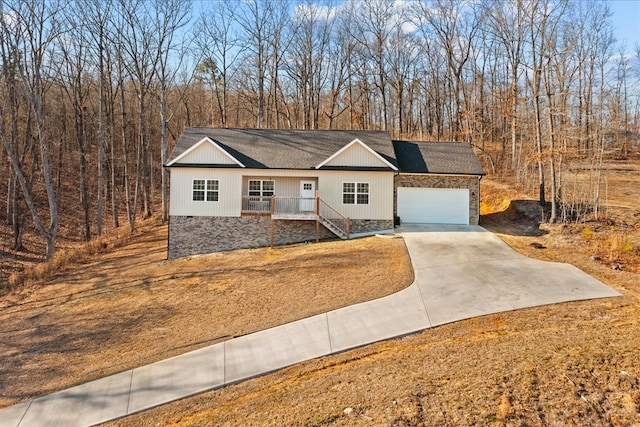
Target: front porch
[{"x": 298, "y": 209}]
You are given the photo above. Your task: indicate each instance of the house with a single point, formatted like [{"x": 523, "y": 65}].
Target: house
[{"x": 243, "y": 188}]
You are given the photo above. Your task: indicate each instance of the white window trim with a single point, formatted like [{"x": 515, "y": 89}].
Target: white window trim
[
  {"x": 355, "y": 192},
  {"x": 262, "y": 181},
  {"x": 204, "y": 190}
]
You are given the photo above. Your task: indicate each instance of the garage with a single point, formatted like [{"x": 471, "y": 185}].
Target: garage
[{"x": 433, "y": 205}]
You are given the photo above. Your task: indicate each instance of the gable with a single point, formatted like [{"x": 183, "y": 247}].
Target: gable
[
  {"x": 356, "y": 154},
  {"x": 206, "y": 152}
]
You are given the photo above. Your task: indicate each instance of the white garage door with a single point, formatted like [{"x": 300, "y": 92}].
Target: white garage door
[{"x": 433, "y": 205}]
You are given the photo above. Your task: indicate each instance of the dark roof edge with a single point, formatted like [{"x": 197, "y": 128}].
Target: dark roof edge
[
  {"x": 357, "y": 168},
  {"x": 443, "y": 173},
  {"x": 230, "y": 166},
  {"x": 431, "y": 142},
  {"x": 205, "y": 165}
]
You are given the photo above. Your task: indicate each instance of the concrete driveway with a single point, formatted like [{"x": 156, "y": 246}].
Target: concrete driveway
[
  {"x": 466, "y": 271},
  {"x": 460, "y": 272}
]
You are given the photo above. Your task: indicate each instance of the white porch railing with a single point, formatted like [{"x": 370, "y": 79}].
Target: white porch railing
[
  {"x": 303, "y": 208},
  {"x": 333, "y": 220},
  {"x": 279, "y": 205}
]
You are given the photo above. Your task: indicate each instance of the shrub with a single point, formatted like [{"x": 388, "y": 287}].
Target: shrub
[{"x": 618, "y": 244}]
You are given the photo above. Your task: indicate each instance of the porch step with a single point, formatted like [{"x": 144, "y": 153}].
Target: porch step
[{"x": 333, "y": 228}]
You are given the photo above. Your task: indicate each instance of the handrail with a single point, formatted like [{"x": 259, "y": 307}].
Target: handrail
[{"x": 331, "y": 215}]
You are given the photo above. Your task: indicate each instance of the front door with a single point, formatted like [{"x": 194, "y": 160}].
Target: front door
[{"x": 307, "y": 196}]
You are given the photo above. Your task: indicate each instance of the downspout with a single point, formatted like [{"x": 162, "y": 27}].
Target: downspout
[
  {"x": 396, "y": 219},
  {"x": 168, "y": 225},
  {"x": 478, "y": 202},
  {"x": 168, "y": 236},
  {"x": 317, "y": 214}
]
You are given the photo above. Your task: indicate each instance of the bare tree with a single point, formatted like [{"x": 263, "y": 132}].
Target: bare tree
[
  {"x": 455, "y": 25},
  {"x": 33, "y": 29},
  {"x": 96, "y": 30},
  {"x": 507, "y": 22},
  {"x": 255, "y": 18},
  {"x": 73, "y": 67},
  {"x": 340, "y": 88},
  {"x": 10, "y": 111},
  {"x": 402, "y": 55},
  {"x": 172, "y": 16},
  {"x": 374, "y": 23},
  {"x": 141, "y": 49},
  {"x": 308, "y": 58},
  {"x": 221, "y": 49}
]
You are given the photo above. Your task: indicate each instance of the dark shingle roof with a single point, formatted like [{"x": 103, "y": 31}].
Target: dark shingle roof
[
  {"x": 305, "y": 149},
  {"x": 437, "y": 157},
  {"x": 284, "y": 149}
]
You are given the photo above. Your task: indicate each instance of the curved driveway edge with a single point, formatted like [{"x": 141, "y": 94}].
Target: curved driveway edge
[
  {"x": 460, "y": 272},
  {"x": 466, "y": 271}
]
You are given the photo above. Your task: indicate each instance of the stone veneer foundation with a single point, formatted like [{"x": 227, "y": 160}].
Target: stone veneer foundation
[
  {"x": 369, "y": 225},
  {"x": 201, "y": 234}
]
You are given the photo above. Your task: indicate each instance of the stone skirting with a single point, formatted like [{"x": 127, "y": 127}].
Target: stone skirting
[
  {"x": 201, "y": 234},
  {"x": 442, "y": 181},
  {"x": 287, "y": 232},
  {"x": 369, "y": 225}
]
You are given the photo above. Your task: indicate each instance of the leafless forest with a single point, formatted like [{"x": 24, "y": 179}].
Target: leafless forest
[{"x": 93, "y": 93}]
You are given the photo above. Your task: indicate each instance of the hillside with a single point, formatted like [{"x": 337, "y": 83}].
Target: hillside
[{"x": 563, "y": 364}]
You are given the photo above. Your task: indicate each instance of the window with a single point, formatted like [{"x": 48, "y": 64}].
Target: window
[
  {"x": 355, "y": 193},
  {"x": 213, "y": 188},
  {"x": 206, "y": 189},
  {"x": 261, "y": 188}
]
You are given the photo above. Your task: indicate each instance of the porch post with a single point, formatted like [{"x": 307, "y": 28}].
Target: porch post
[
  {"x": 317, "y": 213},
  {"x": 348, "y": 221},
  {"x": 273, "y": 232},
  {"x": 273, "y": 225}
]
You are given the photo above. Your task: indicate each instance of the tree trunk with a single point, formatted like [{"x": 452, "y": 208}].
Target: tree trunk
[
  {"x": 52, "y": 232},
  {"x": 144, "y": 154},
  {"x": 84, "y": 197},
  {"x": 163, "y": 155},
  {"x": 125, "y": 157},
  {"x": 100, "y": 139}
]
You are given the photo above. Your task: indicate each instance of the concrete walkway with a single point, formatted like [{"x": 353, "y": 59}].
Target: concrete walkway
[{"x": 460, "y": 272}]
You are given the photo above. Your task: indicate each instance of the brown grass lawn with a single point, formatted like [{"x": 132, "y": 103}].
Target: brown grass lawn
[
  {"x": 564, "y": 364},
  {"x": 130, "y": 307}
]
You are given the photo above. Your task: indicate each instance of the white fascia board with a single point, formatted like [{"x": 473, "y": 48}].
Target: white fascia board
[
  {"x": 204, "y": 141},
  {"x": 362, "y": 144}
]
